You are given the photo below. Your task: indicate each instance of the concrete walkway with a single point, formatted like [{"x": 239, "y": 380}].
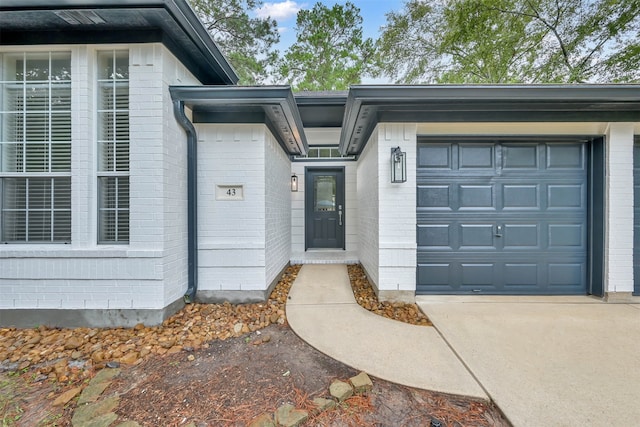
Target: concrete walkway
[
  {"x": 552, "y": 361},
  {"x": 324, "y": 313}
]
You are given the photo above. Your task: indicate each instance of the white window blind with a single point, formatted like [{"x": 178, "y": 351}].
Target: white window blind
[
  {"x": 113, "y": 146},
  {"x": 35, "y": 147}
]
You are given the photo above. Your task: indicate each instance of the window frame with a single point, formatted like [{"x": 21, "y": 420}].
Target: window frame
[
  {"x": 54, "y": 127},
  {"x": 112, "y": 170}
]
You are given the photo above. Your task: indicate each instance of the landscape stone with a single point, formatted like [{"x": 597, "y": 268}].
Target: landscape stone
[
  {"x": 288, "y": 416},
  {"x": 92, "y": 392},
  {"x": 361, "y": 382},
  {"x": 73, "y": 343},
  {"x": 340, "y": 390},
  {"x": 237, "y": 328},
  {"x": 323, "y": 404},
  {"x": 135, "y": 424},
  {"x": 85, "y": 413},
  {"x": 264, "y": 420},
  {"x": 66, "y": 397},
  {"x": 104, "y": 420},
  {"x": 106, "y": 375}
]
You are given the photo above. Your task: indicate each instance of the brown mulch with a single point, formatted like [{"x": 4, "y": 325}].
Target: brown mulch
[{"x": 213, "y": 364}]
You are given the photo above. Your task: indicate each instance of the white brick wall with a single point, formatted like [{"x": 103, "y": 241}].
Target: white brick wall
[
  {"x": 277, "y": 173},
  {"x": 397, "y": 210},
  {"x": 150, "y": 272},
  {"x": 368, "y": 196},
  {"x": 231, "y": 233},
  {"x": 174, "y": 181},
  {"x": 387, "y": 211},
  {"x": 620, "y": 194}
]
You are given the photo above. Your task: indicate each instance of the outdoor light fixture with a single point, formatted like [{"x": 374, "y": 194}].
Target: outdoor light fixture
[
  {"x": 294, "y": 183},
  {"x": 398, "y": 165}
]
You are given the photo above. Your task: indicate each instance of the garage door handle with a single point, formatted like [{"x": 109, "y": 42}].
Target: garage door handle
[{"x": 498, "y": 231}]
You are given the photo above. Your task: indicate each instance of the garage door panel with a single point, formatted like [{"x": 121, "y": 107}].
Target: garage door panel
[
  {"x": 567, "y": 274},
  {"x": 480, "y": 236},
  {"x": 435, "y": 275},
  {"x": 565, "y": 156},
  {"x": 435, "y": 236},
  {"x": 566, "y": 196},
  {"x": 476, "y": 197},
  {"x": 520, "y": 156},
  {"x": 562, "y": 236},
  {"x": 521, "y": 274},
  {"x": 478, "y": 274},
  {"x": 435, "y": 156},
  {"x": 434, "y": 197},
  {"x": 514, "y": 223},
  {"x": 521, "y": 196},
  {"x": 522, "y": 236},
  {"x": 476, "y": 156}
]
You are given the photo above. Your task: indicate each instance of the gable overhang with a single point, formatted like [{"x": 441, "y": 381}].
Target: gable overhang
[
  {"x": 170, "y": 22},
  {"x": 368, "y": 105},
  {"x": 274, "y": 106}
]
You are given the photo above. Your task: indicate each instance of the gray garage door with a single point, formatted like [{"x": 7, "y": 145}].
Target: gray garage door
[{"x": 502, "y": 217}]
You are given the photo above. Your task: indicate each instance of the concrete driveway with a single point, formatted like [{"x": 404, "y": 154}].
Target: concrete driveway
[{"x": 549, "y": 361}]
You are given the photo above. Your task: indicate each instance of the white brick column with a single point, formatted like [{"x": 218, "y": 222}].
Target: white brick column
[
  {"x": 619, "y": 209},
  {"x": 397, "y": 215}
]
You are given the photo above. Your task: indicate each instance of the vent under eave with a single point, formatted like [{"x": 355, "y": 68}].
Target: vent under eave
[{"x": 80, "y": 17}]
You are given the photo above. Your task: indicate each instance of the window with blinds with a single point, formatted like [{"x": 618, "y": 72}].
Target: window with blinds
[
  {"x": 113, "y": 146},
  {"x": 35, "y": 147}
]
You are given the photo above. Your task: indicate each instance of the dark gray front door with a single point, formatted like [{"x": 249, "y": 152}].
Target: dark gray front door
[
  {"x": 324, "y": 208},
  {"x": 502, "y": 217}
]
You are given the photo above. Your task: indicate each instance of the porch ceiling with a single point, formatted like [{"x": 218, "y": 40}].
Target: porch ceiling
[
  {"x": 369, "y": 105},
  {"x": 170, "y": 22},
  {"x": 274, "y": 106}
]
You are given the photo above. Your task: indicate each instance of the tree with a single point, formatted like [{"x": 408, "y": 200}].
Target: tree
[
  {"x": 248, "y": 43},
  {"x": 509, "y": 41},
  {"x": 330, "y": 52}
]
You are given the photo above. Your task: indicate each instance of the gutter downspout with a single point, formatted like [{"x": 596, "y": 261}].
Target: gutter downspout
[{"x": 192, "y": 200}]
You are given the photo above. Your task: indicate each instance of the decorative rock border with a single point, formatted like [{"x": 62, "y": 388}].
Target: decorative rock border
[{"x": 288, "y": 416}]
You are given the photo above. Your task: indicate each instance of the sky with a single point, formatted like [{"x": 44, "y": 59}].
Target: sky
[{"x": 284, "y": 12}]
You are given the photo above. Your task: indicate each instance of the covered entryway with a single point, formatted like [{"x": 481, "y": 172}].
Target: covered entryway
[
  {"x": 502, "y": 216},
  {"x": 324, "y": 208}
]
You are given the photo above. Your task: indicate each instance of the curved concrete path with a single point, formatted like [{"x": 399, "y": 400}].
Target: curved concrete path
[{"x": 322, "y": 310}]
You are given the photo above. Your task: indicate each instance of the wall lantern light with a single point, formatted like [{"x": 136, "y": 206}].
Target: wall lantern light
[
  {"x": 294, "y": 183},
  {"x": 398, "y": 165}
]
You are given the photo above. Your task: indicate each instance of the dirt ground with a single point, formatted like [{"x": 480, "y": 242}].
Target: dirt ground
[
  {"x": 233, "y": 381},
  {"x": 230, "y": 381}
]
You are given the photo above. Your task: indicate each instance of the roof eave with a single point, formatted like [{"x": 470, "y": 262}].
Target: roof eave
[
  {"x": 180, "y": 12},
  {"x": 281, "y": 114},
  {"x": 368, "y": 105}
]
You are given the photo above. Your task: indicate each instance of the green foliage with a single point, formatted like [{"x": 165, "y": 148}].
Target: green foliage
[
  {"x": 247, "y": 42},
  {"x": 330, "y": 52},
  {"x": 512, "y": 41}
]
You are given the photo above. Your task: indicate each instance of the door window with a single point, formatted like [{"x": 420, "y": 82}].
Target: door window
[{"x": 324, "y": 188}]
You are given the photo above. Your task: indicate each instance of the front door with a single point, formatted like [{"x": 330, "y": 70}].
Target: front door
[{"x": 324, "y": 208}]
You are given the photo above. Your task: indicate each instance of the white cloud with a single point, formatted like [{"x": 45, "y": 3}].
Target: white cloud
[
  {"x": 283, "y": 29},
  {"x": 281, "y": 10}
]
